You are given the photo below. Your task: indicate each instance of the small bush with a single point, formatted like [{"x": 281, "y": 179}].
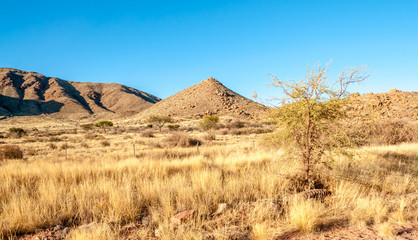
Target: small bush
[
  {"x": 210, "y": 137},
  {"x": 52, "y": 146},
  {"x": 65, "y": 146},
  {"x": 148, "y": 134},
  {"x": 181, "y": 140},
  {"x": 17, "y": 132},
  {"x": 305, "y": 215},
  {"x": 105, "y": 143},
  {"x": 222, "y": 132},
  {"x": 209, "y": 122},
  {"x": 173, "y": 127},
  {"x": 93, "y": 136},
  {"x": 235, "y": 124},
  {"x": 84, "y": 145},
  {"x": 10, "y": 152},
  {"x": 104, "y": 124},
  {"x": 384, "y": 132},
  {"x": 87, "y": 127}
]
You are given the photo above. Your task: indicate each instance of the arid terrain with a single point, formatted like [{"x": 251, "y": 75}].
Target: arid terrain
[
  {"x": 29, "y": 94},
  {"x": 62, "y": 177}
]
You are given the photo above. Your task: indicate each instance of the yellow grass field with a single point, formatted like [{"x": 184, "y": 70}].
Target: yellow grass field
[{"x": 74, "y": 179}]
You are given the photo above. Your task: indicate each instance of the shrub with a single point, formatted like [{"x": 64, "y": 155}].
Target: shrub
[
  {"x": 393, "y": 132},
  {"x": 147, "y": 134},
  {"x": 159, "y": 121},
  {"x": 105, "y": 143},
  {"x": 235, "y": 124},
  {"x": 93, "y": 136},
  {"x": 84, "y": 145},
  {"x": 87, "y": 127},
  {"x": 181, "y": 140},
  {"x": 309, "y": 116},
  {"x": 17, "y": 132},
  {"x": 52, "y": 146},
  {"x": 210, "y": 137},
  {"x": 65, "y": 146},
  {"x": 209, "y": 122},
  {"x": 173, "y": 127},
  {"x": 103, "y": 125},
  {"x": 383, "y": 132},
  {"x": 10, "y": 152}
]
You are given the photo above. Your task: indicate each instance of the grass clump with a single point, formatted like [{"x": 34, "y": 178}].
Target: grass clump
[
  {"x": 181, "y": 140},
  {"x": 10, "y": 152},
  {"x": 209, "y": 122},
  {"x": 305, "y": 215}
]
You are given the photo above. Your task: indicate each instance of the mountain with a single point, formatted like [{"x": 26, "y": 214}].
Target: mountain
[
  {"x": 394, "y": 104},
  {"x": 209, "y": 97},
  {"x": 28, "y": 93}
]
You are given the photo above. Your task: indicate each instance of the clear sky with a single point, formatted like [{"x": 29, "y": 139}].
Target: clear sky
[{"x": 162, "y": 47}]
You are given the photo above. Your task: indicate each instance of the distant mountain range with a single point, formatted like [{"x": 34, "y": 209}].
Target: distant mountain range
[{"x": 28, "y": 93}]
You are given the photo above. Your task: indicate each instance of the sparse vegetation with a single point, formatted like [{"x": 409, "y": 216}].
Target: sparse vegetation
[
  {"x": 308, "y": 118},
  {"x": 103, "y": 125},
  {"x": 159, "y": 121},
  {"x": 181, "y": 140},
  {"x": 10, "y": 152},
  {"x": 17, "y": 132},
  {"x": 173, "y": 127},
  {"x": 209, "y": 122}
]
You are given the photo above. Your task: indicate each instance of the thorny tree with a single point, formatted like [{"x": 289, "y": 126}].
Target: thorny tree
[{"x": 310, "y": 111}]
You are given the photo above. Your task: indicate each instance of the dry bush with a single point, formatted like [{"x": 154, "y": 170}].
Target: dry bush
[
  {"x": 222, "y": 132},
  {"x": 209, "y": 136},
  {"x": 383, "y": 132},
  {"x": 181, "y": 140},
  {"x": 87, "y": 127},
  {"x": 306, "y": 215},
  {"x": 235, "y": 124},
  {"x": 65, "y": 146},
  {"x": 84, "y": 145},
  {"x": 10, "y": 152},
  {"x": 148, "y": 133},
  {"x": 52, "y": 146},
  {"x": 105, "y": 143},
  {"x": 91, "y": 136},
  {"x": 393, "y": 132},
  {"x": 173, "y": 127}
]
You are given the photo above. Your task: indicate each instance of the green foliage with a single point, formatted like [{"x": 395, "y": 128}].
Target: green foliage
[
  {"x": 308, "y": 120},
  {"x": 104, "y": 124},
  {"x": 209, "y": 122},
  {"x": 159, "y": 121}
]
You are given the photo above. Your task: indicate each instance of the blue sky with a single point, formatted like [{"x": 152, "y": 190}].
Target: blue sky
[{"x": 162, "y": 47}]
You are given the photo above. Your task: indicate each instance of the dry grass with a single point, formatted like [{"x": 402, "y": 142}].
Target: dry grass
[{"x": 108, "y": 186}]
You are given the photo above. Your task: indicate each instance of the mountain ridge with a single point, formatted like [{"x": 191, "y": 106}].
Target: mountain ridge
[
  {"x": 31, "y": 93},
  {"x": 209, "y": 97}
]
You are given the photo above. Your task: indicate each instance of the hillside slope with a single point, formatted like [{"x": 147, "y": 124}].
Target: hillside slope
[
  {"x": 209, "y": 97},
  {"x": 28, "y": 93}
]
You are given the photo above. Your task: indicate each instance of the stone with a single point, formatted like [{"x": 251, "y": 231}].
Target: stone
[
  {"x": 181, "y": 217},
  {"x": 221, "y": 209}
]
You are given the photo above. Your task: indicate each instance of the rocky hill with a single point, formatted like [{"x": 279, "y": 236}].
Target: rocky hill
[
  {"x": 394, "y": 104},
  {"x": 209, "y": 97},
  {"x": 28, "y": 93}
]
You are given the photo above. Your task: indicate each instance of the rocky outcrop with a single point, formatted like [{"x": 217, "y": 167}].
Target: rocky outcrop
[
  {"x": 28, "y": 93},
  {"x": 209, "y": 97}
]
